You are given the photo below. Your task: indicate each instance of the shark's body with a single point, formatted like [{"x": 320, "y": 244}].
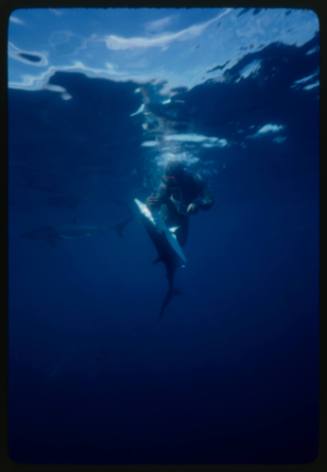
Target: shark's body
[
  {"x": 53, "y": 234},
  {"x": 168, "y": 248}
]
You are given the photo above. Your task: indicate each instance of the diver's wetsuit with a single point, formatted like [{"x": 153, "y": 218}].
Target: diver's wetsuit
[{"x": 174, "y": 197}]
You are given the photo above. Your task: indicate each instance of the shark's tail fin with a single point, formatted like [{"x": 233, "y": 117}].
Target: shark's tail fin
[{"x": 171, "y": 293}]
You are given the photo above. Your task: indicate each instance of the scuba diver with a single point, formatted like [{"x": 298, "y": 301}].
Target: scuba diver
[{"x": 180, "y": 194}]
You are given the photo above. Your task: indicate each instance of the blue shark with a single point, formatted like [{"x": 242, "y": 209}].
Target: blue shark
[
  {"x": 170, "y": 253},
  {"x": 52, "y": 234}
]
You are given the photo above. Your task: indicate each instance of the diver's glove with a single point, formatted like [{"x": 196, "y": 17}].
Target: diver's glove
[{"x": 192, "y": 208}]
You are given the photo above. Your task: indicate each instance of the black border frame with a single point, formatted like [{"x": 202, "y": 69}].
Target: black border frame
[{"x": 7, "y": 7}]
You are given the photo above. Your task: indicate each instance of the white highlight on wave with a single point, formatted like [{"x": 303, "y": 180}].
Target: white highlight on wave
[
  {"x": 117, "y": 43},
  {"x": 37, "y": 82},
  {"x": 160, "y": 24},
  {"x": 269, "y": 128},
  {"x": 16, "y": 20},
  {"x": 307, "y": 83},
  {"x": 179, "y": 139},
  {"x": 306, "y": 79},
  {"x": 250, "y": 69},
  {"x": 150, "y": 144},
  {"x": 312, "y": 86},
  {"x": 58, "y": 89},
  {"x": 197, "y": 138},
  {"x": 14, "y": 53}
]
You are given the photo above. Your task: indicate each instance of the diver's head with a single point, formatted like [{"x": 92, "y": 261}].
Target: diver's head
[{"x": 174, "y": 171}]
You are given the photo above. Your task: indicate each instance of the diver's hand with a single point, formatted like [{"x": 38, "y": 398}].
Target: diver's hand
[{"x": 192, "y": 208}]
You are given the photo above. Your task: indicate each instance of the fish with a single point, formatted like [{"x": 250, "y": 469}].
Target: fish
[
  {"x": 52, "y": 234},
  {"x": 169, "y": 251}
]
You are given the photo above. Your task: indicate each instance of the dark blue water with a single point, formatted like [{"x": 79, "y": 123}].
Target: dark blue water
[{"x": 231, "y": 374}]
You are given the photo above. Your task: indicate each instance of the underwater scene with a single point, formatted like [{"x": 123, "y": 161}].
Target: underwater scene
[{"x": 163, "y": 227}]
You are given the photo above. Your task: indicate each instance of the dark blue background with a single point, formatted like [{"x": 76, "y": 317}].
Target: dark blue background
[{"x": 231, "y": 374}]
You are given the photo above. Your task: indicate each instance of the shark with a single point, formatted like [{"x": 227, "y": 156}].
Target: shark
[
  {"x": 169, "y": 251},
  {"x": 52, "y": 234}
]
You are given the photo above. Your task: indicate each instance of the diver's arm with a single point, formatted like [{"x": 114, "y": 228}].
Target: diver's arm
[{"x": 204, "y": 201}]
